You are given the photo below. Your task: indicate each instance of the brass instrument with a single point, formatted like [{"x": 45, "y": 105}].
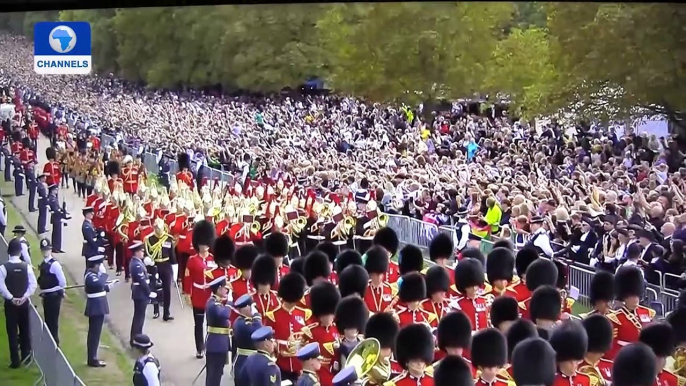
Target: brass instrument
[
  {"x": 593, "y": 373},
  {"x": 677, "y": 364},
  {"x": 370, "y": 367}
]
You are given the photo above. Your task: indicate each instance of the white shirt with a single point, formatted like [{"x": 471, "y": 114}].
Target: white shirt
[
  {"x": 151, "y": 372},
  {"x": 631, "y": 263},
  {"x": 3, "y": 275},
  {"x": 465, "y": 230},
  {"x": 56, "y": 269},
  {"x": 543, "y": 242},
  {"x": 3, "y": 219}
]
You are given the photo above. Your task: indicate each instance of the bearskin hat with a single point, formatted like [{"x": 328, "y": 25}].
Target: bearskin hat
[
  {"x": 634, "y": 365},
  {"x": 533, "y": 362},
  {"x": 504, "y": 309},
  {"x": 469, "y": 273},
  {"x": 276, "y": 244},
  {"x": 346, "y": 258},
  {"x": 412, "y": 287},
  {"x": 410, "y": 259},
  {"x": 353, "y": 280},
  {"x": 454, "y": 331},
  {"x": 437, "y": 280},
  {"x": 504, "y": 243},
  {"x": 316, "y": 265},
  {"x": 677, "y": 319},
  {"x": 324, "y": 297},
  {"x": 474, "y": 253},
  {"x": 524, "y": 258},
  {"x": 203, "y": 234},
  {"x": 351, "y": 313},
  {"x": 660, "y": 338},
  {"x": 223, "y": 250},
  {"x": 541, "y": 272},
  {"x": 113, "y": 168},
  {"x": 629, "y": 282},
  {"x": 297, "y": 265},
  {"x": 184, "y": 161},
  {"x": 489, "y": 348},
  {"x": 519, "y": 331},
  {"x": 51, "y": 153},
  {"x": 245, "y": 256},
  {"x": 388, "y": 239},
  {"x": 291, "y": 287},
  {"x": 562, "y": 274},
  {"x": 602, "y": 287},
  {"x": 16, "y": 136},
  {"x": 263, "y": 271},
  {"x": 500, "y": 265},
  {"x": 414, "y": 342},
  {"x": 545, "y": 303},
  {"x": 453, "y": 371},
  {"x": 569, "y": 340},
  {"x": 26, "y": 142},
  {"x": 328, "y": 249},
  {"x": 599, "y": 331},
  {"x": 441, "y": 247},
  {"x": 383, "y": 327},
  {"x": 377, "y": 260}
]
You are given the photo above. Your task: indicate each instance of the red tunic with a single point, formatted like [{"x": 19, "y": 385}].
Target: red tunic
[
  {"x": 524, "y": 309},
  {"x": 496, "y": 382},
  {"x": 222, "y": 227},
  {"x": 438, "y": 309},
  {"x": 112, "y": 182},
  {"x": 506, "y": 292},
  {"x": 186, "y": 177},
  {"x": 523, "y": 293},
  {"x": 241, "y": 286},
  {"x": 198, "y": 271},
  {"x": 333, "y": 277},
  {"x": 476, "y": 309},
  {"x": 603, "y": 367},
  {"x": 16, "y": 147},
  {"x": 327, "y": 337},
  {"x": 666, "y": 378},
  {"x": 626, "y": 326},
  {"x": 285, "y": 324},
  {"x": 577, "y": 379},
  {"x": 90, "y": 200},
  {"x": 407, "y": 316},
  {"x": 267, "y": 302},
  {"x": 33, "y": 131},
  {"x": 379, "y": 299},
  {"x": 405, "y": 379},
  {"x": 393, "y": 272},
  {"x": 53, "y": 172},
  {"x": 130, "y": 177},
  {"x": 27, "y": 155},
  {"x": 281, "y": 272}
]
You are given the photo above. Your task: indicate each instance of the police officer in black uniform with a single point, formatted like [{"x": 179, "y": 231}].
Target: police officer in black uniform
[
  {"x": 31, "y": 184},
  {"x": 141, "y": 293},
  {"x": 19, "y": 233},
  {"x": 42, "y": 190},
  {"x": 17, "y": 284},
  {"x": 540, "y": 239},
  {"x": 51, "y": 282},
  {"x": 146, "y": 371}
]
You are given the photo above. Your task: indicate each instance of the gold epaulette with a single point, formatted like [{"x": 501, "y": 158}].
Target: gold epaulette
[
  {"x": 394, "y": 288},
  {"x": 307, "y": 330},
  {"x": 504, "y": 375},
  {"x": 651, "y": 312},
  {"x": 308, "y": 312},
  {"x": 330, "y": 347},
  {"x": 570, "y": 302},
  {"x": 270, "y": 314},
  {"x": 613, "y": 317},
  {"x": 522, "y": 305},
  {"x": 487, "y": 288},
  {"x": 431, "y": 317},
  {"x": 515, "y": 281},
  {"x": 423, "y": 271}
]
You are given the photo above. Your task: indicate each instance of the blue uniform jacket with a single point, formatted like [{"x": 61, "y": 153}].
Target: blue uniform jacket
[
  {"x": 261, "y": 369},
  {"x": 218, "y": 338},
  {"x": 90, "y": 240},
  {"x": 140, "y": 287},
  {"x": 96, "y": 294},
  {"x": 307, "y": 378}
]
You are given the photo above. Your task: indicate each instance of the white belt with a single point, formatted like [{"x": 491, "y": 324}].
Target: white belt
[
  {"x": 146, "y": 282},
  {"x": 623, "y": 343},
  {"x": 96, "y": 295},
  {"x": 51, "y": 290},
  {"x": 201, "y": 286}
]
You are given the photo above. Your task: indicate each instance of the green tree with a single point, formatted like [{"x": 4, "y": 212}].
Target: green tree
[
  {"x": 31, "y": 18},
  {"x": 103, "y": 37}
]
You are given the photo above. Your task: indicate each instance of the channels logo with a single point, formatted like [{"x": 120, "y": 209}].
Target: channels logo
[{"x": 62, "y": 48}]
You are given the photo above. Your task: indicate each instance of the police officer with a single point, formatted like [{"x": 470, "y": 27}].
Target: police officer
[
  {"x": 42, "y": 190},
  {"x": 51, "y": 282},
  {"x": 31, "y": 184},
  {"x": 310, "y": 358},
  {"x": 91, "y": 242},
  {"x": 58, "y": 218},
  {"x": 540, "y": 240},
  {"x": 218, "y": 342},
  {"x": 96, "y": 287},
  {"x": 19, "y": 234},
  {"x": 260, "y": 368},
  {"x": 248, "y": 321},
  {"x": 3, "y": 217},
  {"x": 146, "y": 371},
  {"x": 18, "y": 176},
  {"x": 17, "y": 284},
  {"x": 141, "y": 292}
]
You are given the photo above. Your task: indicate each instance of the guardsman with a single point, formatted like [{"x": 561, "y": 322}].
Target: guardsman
[
  {"x": 456, "y": 372},
  {"x": 415, "y": 351},
  {"x": 287, "y": 320},
  {"x": 350, "y": 318},
  {"x": 388, "y": 240},
  {"x": 31, "y": 184},
  {"x": 660, "y": 338},
  {"x": 141, "y": 291},
  {"x": 92, "y": 244},
  {"x": 52, "y": 169},
  {"x": 523, "y": 259},
  {"x": 263, "y": 278},
  {"x": 160, "y": 247},
  {"x": 628, "y": 321},
  {"x": 635, "y": 365},
  {"x": 411, "y": 293},
  {"x": 51, "y": 282},
  {"x": 570, "y": 343},
  {"x": 218, "y": 344},
  {"x": 453, "y": 337},
  {"x": 146, "y": 371},
  {"x": 96, "y": 287},
  {"x": 410, "y": 259},
  {"x": 599, "y": 331},
  {"x": 26, "y": 155},
  {"x": 437, "y": 286},
  {"x": 244, "y": 258},
  {"x": 324, "y": 298},
  {"x": 248, "y": 321},
  {"x": 113, "y": 170},
  {"x": 379, "y": 296},
  {"x": 489, "y": 356},
  {"x": 539, "y": 273},
  {"x": 20, "y": 234},
  {"x": 677, "y": 319},
  {"x": 542, "y": 371},
  {"x": 545, "y": 309},
  {"x": 503, "y": 312},
  {"x": 19, "y": 176},
  {"x": 353, "y": 280},
  {"x": 519, "y": 331},
  {"x": 42, "y": 190},
  {"x": 441, "y": 252},
  {"x": 469, "y": 276},
  {"x": 601, "y": 293},
  {"x": 277, "y": 245},
  {"x": 260, "y": 368},
  {"x": 330, "y": 250},
  {"x": 384, "y": 327},
  {"x": 311, "y": 362},
  {"x": 130, "y": 176},
  {"x": 195, "y": 278},
  {"x": 58, "y": 219},
  {"x": 316, "y": 269},
  {"x": 184, "y": 174},
  {"x": 500, "y": 266}
]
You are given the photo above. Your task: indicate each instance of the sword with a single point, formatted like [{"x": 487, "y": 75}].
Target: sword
[
  {"x": 178, "y": 292},
  {"x": 204, "y": 367}
]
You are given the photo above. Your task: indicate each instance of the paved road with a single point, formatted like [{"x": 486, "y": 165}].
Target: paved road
[{"x": 174, "y": 344}]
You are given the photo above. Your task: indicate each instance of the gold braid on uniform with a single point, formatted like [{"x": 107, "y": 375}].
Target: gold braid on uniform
[{"x": 155, "y": 250}]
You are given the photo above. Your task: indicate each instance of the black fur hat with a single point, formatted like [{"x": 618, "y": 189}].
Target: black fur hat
[
  {"x": 383, "y": 327},
  {"x": 500, "y": 265},
  {"x": 276, "y": 244},
  {"x": 26, "y": 142},
  {"x": 324, "y": 297},
  {"x": 469, "y": 273},
  {"x": 184, "y": 161},
  {"x": 245, "y": 256},
  {"x": 629, "y": 282},
  {"x": 353, "y": 280},
  {"x": 523, "y": 260},
  {"x": 316, "y": 265},
  {"x": 51, "y": 153},
  {"x": 599, "y": 331},
  {"x": 377, "y": 260},
  {"x": 412, "y": 288},
  {"x": 410, "y": 259},
  {"x": 351, "y": 312},
  {"x": 520, "y": 330},
  {"x": 569, "y": 340},
  {"x": 297, "y": 265},
  {"x": 602, "y": 287},
  {"x": 677, "y": 319},
  {"x": 328, "y": 249},
  {"x": 489, "y": 348},
  {"x": 346, "y": 258},
  {"x": 454, "y": 331},
  {"x": 541, "y": 272},
  {"x": 533, "y": 363},
  {"x": 504, "y": 243},
  {"x": 388, "y": 239},
  {"x": 453, "y": 371},
  {"x": 504, "y": 309},
  {"x": 545, "y": 304},
  {"x": 263, "y": 271},
  {"x": 113, "y": 168},
  {"x": 414, "y": 342},
  {"x": 203, "y": 234},
  {"x": 562, "y": 274},
  {"x": 437, "y": 280},
  {"x": 660, "y": 338},
  {"x": 223, "y": 250},
  {"x": 474, "y": 253},
  {"x": 441, "y": 247},
  {"x": 291, "y": 287},
  {"x": 634, "y": 365}
]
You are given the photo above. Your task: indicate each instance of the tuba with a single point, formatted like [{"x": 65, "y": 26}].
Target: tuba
[
  {"x": 593, "y": 373},
  {"x": 677, "y": 363},
  {"x": 370, "y": 367}
]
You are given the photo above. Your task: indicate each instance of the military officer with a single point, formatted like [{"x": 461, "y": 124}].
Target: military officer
[
  {"x": 347, "y": 377},
  {"x": 31, "y": 184},
  {"x": 19, "y": 176},
  {"x": 146, "y": 371},
  {"x": 601, "y": 293},
  {"x": 635, "y": 365},
  {"x": 42, "y": 190},
  {"x": 599, "y": 331},
  {"x": 456, "y": 372},
  {"x": 489, "y": 355},
  {"x": 350, "y": 318},
  {"x": 570, "y": 343},
  {"x": 91, "y": 242},
  {"x": 415, "y": 351},
  {"x": 96, "y": 287},
  {"x": 218, "y": 343},
  {"x": 248, "y": 321},
  {"x": 519, "y": 331},
  {"x": 324, "y": 298},
  {"x": 535, "y": 372},
  {"x": 504, "y": 311},
  {"x": 260, "y": 368},
  {"x": 309, "y": 356},
  {"x": 58, "y": 219},
  {"x": 160, "y": 247},
  {"x": 541, "y": 272},
  {"x": 660, "y": 337},
  {"x": 453, "y": 336},
  {"x": 141, "y": 292},
  {"x": 469, "y": 276}
]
